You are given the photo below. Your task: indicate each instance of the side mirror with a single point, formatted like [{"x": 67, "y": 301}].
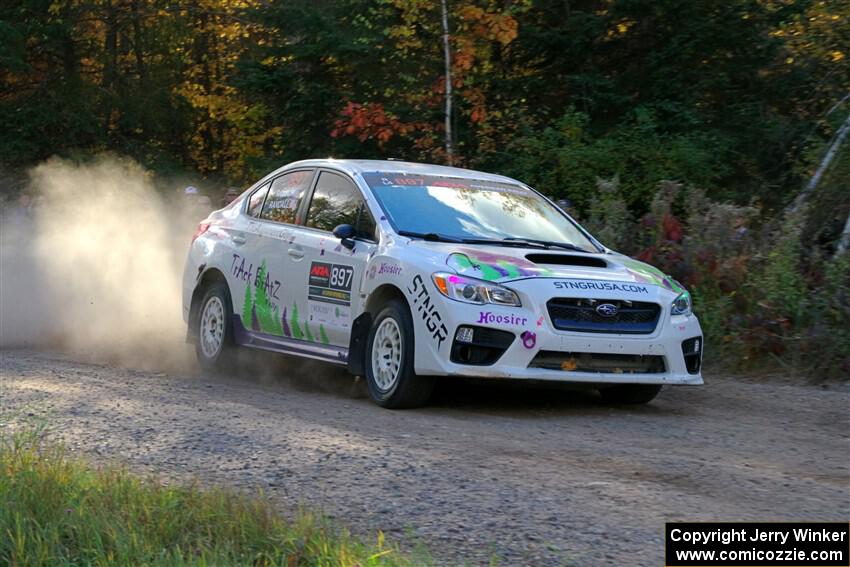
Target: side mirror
[{"x": 345, "y": 232}]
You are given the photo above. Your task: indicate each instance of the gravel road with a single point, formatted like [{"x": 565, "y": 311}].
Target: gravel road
[{"x": 535, "y": 476}]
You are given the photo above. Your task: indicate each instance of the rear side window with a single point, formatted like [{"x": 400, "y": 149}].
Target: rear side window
[
  {"x": 336, "y": 201},
  {"x": 285, "y": 197},
  {"x": 255, "y": 202}
]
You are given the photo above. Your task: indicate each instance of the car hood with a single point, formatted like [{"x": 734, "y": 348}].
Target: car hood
[{"x": 503, "y": 264}]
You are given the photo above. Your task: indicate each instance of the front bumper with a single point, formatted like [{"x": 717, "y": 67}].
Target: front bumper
[{"x": 534, "y": 333}]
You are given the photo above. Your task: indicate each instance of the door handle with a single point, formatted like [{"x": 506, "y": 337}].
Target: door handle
[
  {"x": 296, "y": 253},
  {"x": 237, "y": 239}
]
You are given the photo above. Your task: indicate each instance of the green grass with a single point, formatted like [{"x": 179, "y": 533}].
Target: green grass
[{"x": 59, "y": 510}]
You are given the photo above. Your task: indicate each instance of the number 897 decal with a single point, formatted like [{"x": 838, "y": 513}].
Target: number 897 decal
[{"x": 330, "y": 283}]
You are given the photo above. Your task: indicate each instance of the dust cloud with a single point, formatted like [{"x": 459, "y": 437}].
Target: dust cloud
[{"x": 95, "y": 266}]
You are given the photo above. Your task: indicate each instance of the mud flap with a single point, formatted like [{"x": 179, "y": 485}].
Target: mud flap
[{"x": 357, "y": 346}]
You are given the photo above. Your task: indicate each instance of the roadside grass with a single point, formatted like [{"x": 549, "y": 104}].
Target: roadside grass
[{"x": 56, "y": 509}]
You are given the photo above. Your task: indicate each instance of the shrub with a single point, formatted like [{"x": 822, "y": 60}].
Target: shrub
[
  {"x": 762, "y": 294},
  {"x": 608, "y": 215}
]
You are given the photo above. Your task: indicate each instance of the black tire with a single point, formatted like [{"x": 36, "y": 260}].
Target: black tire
[
  {"x": 408, "y": 390},
  {"x": 630, "y": 394},
  {"x": 222, "y": 360}
]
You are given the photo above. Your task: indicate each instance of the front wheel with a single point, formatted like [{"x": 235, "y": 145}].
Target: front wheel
[
  {"x": 632, "y": 394},
  {"x": 389, "y": 367},
  {"x": 214, "y": 346}
]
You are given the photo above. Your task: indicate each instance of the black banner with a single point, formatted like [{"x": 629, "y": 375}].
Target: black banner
[{"x": 757, "y": 544}]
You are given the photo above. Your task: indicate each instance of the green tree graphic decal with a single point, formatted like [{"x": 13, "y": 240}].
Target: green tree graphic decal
[
  {"x": 295, "y": 324},
  {"x": 246, "y": 307},
  {"x": 308, "y": 334},
  {"x": 323, "y": 336},
  {"x": 265, "y": 314},
  {"x": 276, "y": 328}
]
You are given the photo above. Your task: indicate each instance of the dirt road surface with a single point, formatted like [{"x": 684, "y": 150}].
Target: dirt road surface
[{"x": 535, "y": 476}]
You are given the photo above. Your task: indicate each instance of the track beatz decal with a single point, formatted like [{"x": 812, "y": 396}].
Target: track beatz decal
[
  {"x": 331, "y": 283},
  {"x": 601, "y": 286},
  {"x": 493, "y": 267},
  {"x": 423, "y": 305},
  {"x": 260, "y": 311},
  {"x": 262, "y": 278}
]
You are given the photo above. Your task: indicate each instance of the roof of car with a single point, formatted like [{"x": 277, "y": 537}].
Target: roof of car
[{"x": 355, "y": 166}]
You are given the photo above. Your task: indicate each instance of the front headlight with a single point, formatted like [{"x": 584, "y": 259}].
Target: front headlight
[
  {"x": 682, "y": 304},
  {"x": 470, "y": 290}
]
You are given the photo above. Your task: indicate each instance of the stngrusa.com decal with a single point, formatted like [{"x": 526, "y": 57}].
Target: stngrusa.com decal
[{"x": 601, "y": 286}]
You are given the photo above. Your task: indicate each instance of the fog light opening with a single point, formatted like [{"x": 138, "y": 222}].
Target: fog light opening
[{"x": 465, "y": 335}]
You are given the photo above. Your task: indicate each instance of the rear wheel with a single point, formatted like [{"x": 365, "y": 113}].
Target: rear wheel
[
  {"x": 389, "y": 363},
  {"x": 630, "y": 393},
  {"x": 214, "y": 346}
]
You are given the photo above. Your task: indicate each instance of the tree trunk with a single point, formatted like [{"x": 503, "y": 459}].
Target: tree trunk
[
  {"x": 110, "y": 66},
  {"x": 824, "y": 164},
  {"x": 448, "y": 59},
  {"x": 138, "y": 44},
  {"x": 844, "y": 241}
]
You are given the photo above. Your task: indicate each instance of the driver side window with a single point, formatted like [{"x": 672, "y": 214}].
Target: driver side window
[{"x": 336, "y": 201}]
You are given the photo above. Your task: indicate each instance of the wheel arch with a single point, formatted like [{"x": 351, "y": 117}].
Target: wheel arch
[
  {"x": 207, "y": 278},
  {"x": 363, "y": 323}
]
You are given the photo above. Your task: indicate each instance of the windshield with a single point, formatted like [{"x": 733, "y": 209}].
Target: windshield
[{"x": 471, "y": 209}]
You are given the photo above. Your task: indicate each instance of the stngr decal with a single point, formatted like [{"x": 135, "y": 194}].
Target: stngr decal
[{"x": 423, "y": 305}]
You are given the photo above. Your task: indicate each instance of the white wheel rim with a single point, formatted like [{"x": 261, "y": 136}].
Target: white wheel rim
[
  {"x": 212, "y": 327},
  {"x": 386, "y": 354}
]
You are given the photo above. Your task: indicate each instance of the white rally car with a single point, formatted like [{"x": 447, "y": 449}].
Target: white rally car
[{"x": 404, "y": 271}]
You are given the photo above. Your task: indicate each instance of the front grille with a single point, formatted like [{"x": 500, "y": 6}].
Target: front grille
[
  {"x": 580, "y": 315},
  {"x": 601, "y": 362}
]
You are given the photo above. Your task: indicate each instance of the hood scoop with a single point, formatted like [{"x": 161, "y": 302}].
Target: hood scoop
[{"x": 567, "y": 260}]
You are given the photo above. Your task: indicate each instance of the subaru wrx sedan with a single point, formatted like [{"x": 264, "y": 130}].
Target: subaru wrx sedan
[{"x": 402, "y": 272}]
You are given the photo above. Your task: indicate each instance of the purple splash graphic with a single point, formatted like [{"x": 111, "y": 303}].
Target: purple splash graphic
[
  {"x": 286, "y": 330},
  {"x": 529, "y": 339}
]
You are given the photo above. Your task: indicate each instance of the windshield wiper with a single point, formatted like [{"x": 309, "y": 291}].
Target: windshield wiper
[
  {"x": 431, "y": 236},
  {"x": 514, "y": 242},
  {"x": 436, "y": 237},
  {"x": 547, "y": 243}
]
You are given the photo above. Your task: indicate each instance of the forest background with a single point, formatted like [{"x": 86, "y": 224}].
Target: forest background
[{"x": 704, "y": 137}]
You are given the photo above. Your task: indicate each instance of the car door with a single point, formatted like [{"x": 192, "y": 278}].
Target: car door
[
  {"x": 267, "y": 304},
  {"x": 243, "y": 239},
  {"x": 329, "y": 277}
]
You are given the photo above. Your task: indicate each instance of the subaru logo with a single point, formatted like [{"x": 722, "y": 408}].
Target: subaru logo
[{"x": 607, "y": 310}]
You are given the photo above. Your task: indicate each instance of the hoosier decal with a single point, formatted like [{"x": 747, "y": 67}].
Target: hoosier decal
[
  {"x": 489, "y": 318},
  {"x": 330, "y": 283},
  {"x": 428, "y": 311}
]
